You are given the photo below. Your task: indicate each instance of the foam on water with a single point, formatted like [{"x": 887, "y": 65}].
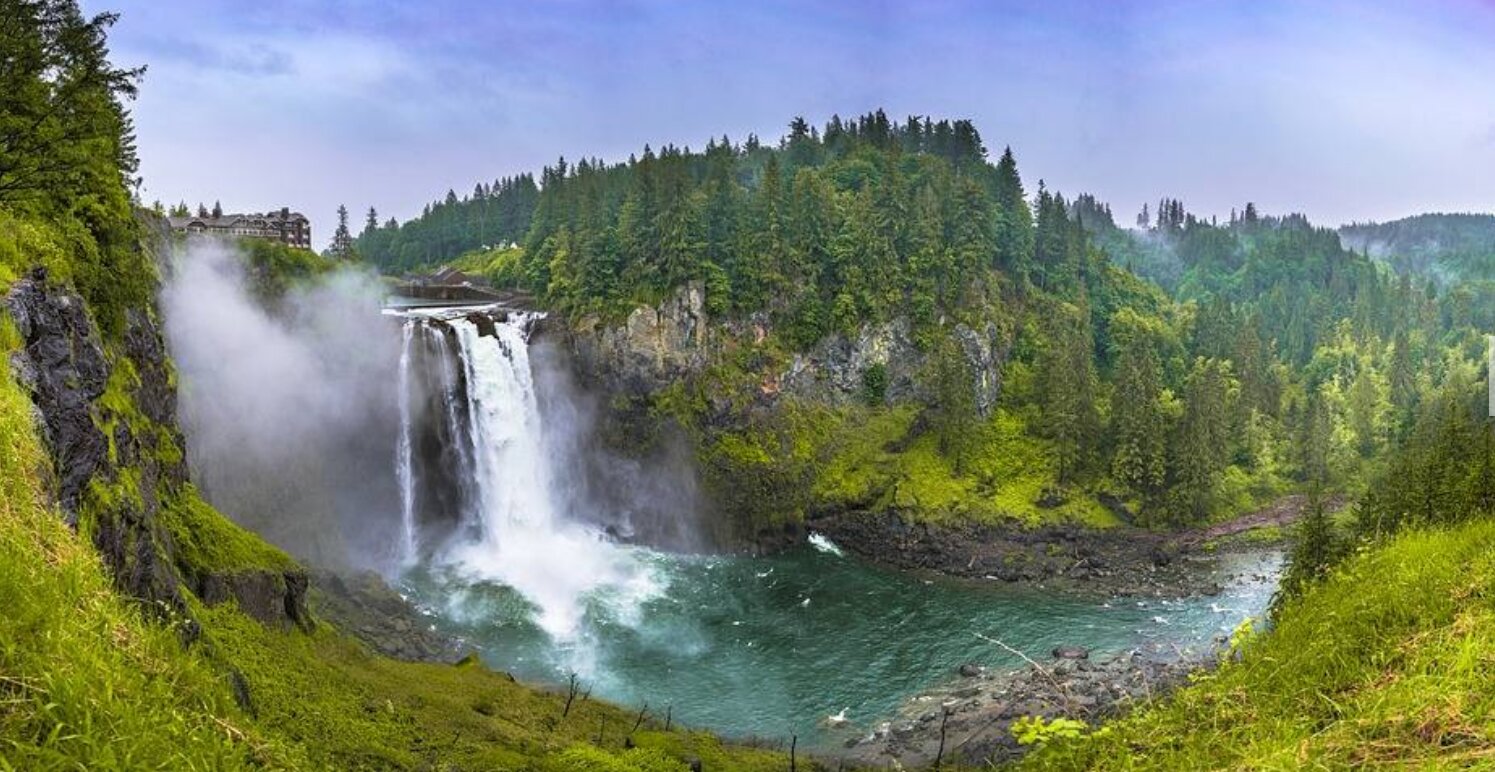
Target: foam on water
[{"x": 823, "y": 543}]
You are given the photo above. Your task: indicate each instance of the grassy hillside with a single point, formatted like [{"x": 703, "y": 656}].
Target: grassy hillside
[
  {"x": 83, "y": 679},
  {"x": 1390, "y": 662}
]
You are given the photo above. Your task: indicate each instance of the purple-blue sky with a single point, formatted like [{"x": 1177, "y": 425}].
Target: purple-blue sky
[{"x": 1343, "y": 110}]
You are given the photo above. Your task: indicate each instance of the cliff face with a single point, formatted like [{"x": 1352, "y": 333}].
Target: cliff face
[
  {"x": 671, "y": 364},
  {"x": 657, "y": 347},
  {"x": 109, "y": 416}
]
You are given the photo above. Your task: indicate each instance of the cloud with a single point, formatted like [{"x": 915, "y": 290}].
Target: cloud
[{"x": 253, "y": 59}]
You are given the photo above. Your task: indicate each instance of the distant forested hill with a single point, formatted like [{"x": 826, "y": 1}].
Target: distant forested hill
[
  {"x": 493, "y": 215},
  {"x": 1459, "y": 247}
]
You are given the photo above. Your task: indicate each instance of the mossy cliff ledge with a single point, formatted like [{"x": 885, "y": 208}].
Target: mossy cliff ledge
[{"x": 109, "y": 417}]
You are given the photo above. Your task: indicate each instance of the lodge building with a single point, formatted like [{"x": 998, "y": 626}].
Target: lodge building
[{"x": 289, "y": 228}]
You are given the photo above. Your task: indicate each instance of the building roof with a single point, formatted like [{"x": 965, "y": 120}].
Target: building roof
[{"x": 232, "y": 220}]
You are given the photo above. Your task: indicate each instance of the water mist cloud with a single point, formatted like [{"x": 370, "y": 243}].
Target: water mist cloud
[{"x": 290, "y": 414}]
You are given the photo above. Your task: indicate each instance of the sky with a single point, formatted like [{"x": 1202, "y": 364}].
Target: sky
[{"x": 1346, "y": 111}]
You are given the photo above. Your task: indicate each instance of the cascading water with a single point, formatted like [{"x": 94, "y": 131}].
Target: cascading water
[
  {"x": 404, "y": 463},
  {"x": 508, "y": 528}
]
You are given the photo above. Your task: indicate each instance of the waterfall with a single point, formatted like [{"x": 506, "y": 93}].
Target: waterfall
[
  {"x": 511, "y": 529},
  {"x": 404, "y": 462},
  {"x": 456, "y": 411}
]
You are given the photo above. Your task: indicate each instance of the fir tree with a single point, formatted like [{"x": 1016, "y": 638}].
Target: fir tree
[
  {"x": 1313, "y": 552},
  {"x": 1014, "y": 235},
  {"x": 1138, "y": 422},
  {"x": 1067, "y": 380},
  {"x": 342, "y": 238}
]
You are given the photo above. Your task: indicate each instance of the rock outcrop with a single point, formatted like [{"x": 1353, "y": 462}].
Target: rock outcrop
[
  {"x": 734, "y": 382},
  {"x": 655, "y": 347},
  {"x": 651, "y": 349},
  {"x": 62, "y": 365}
]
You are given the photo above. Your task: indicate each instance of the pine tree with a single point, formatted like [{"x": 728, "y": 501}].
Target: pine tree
[
  {"x": 63, "y": 127},
  {"x": 1366, "y": 408},
  {"x": 1014, "y": 232},
  {"x": 720, "y": 215},
  {"x": 1067, "y": 381},
  {"x": 342, "y": 238},
  {"x": 1403, "y": 374},
  {"x": 1138, "y": 422},
  {"x": 679, "y": 228},
  {"x": 1482, "y": 480},
  {"x": 1200, "y": 448},
  {"x": 760, "y": 270},
  {"x": 1314, "y": 427},
  {"x": 638, "y": 230},
  {"x": 954, "y": 416},
  {"x": 1313, "y": 552}
]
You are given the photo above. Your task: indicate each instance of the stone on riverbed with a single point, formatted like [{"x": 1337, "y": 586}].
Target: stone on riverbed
[{"x": 1071, "y": 652}]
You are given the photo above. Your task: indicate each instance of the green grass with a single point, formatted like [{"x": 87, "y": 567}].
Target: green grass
[
  {"x": 1389, "y": 663},
  {"x": 351, "y": 709},
  {"x": 206, "y": 541},
  {"x": 27, "y": 242},
  {"x": 499, "y": 265},
  {"x": 871, "y": 461},
  {"x": 85, "y": 682}
]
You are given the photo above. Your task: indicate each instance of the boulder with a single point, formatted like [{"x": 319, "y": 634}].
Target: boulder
[{"x": 1071, "y": 652}]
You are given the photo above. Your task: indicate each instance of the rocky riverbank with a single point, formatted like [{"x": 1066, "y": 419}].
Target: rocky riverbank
[
  {"x": 976, "y": 709},
  {"x": 363, "y": 606},
  {"x": 973, "y": 717},
  {"x": 1123, "y": 561}
]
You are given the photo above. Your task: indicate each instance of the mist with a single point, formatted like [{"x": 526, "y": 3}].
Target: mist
[
  {"x": 290, "y": 414},
  {"x": 652, "y": 499}
]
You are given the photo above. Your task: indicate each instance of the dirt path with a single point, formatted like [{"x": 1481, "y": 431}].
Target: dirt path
[{"x": 1284, "y": 511}]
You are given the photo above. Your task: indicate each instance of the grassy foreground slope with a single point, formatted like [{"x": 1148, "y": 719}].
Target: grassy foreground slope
[
  {"x": 83, "y": 679},
  {"x": 1390, "y": 661}
]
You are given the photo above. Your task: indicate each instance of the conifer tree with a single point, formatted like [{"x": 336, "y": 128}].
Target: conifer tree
[
  {"x": 1067, "y": 380},
  {"x": 1014, "y": 233},
  {"x": 1313, "y": 552},
  {"x": 1200, "y": 447},
  {"x": 342, "y": 238},
  {"x": 955, "y": 418},
  {"x": 1138, "y": 422}
]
